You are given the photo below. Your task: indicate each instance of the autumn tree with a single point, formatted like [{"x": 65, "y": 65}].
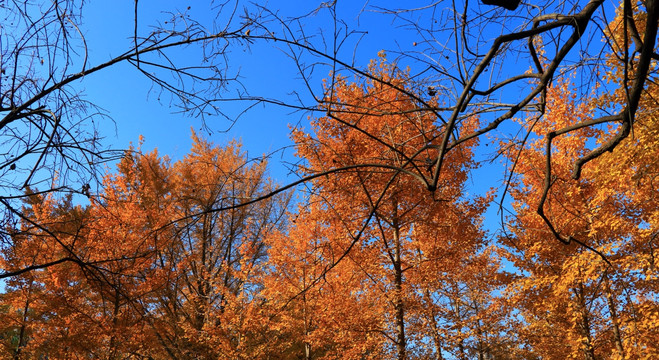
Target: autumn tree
[
  {"x": 315, "y": 313},
  {"x": 380, "y": 242},
  {"x": 216, "y": 251},
  {"x": 49, "y": 128},
  {"x": 596, "y": 286},
  {"x": 181, "y": 282},
  {"x": 93, "y": 306},
  {"x": 39, "y": 238},
  {"x": 591, "y": 297}
]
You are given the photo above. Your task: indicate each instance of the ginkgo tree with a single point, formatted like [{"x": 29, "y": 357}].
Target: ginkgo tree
[
  {"x": 315, "y": 313},
  {"x": 594, "y": 297},
  {"x": 400, "y": 258},
  {"x": 182, "y": 279},
  {"x": 215, "y": 255}
]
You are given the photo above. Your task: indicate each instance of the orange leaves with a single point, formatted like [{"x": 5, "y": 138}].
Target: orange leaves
[
  {"x": 570, "y": 287},
  {"x": 169, "y": 262},
  {"x": 375, "y": 226},
  {"x": 161, "y": 270}
]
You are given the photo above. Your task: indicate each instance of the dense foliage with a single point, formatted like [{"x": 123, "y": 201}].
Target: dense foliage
[{"x": 382, "y": 253}]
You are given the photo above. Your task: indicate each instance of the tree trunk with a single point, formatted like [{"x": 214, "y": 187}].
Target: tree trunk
[
  {"x": 614, "y": 318},
  {"x": 115, "y": 320},
  {"x": 435, "y": 329},
  {"x": 398, "y": 285},
  {"x": 307, "y": 325},
  {"x": 584, "y": 325},
  {"x": 307, "y": 351},
  {"x": 21, "y": 335}
]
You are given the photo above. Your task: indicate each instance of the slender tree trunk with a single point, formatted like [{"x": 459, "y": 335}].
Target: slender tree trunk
[
  {"x": 614, "y": 318},
  {"x": 584, "y": 325},
  {"x": 401, "y": 344},
  {"x": 21, "y": 335},
  {"x": 435, "y": 329},
  {"x": 307, "y": 346},
  {"x": 307, "y": 351},
  {"x": 482, "y": 347},
  {"x": 115, "y": 320}
]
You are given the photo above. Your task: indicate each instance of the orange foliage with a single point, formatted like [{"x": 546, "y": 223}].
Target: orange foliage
[
  {"x": 162, "y": 272},
  {"x": 574, "y": 303},
  {"x": 172, "y": 260},
  {"x": 375, "y": 265}
]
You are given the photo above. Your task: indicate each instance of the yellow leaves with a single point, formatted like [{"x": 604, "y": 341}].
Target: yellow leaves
[{"x": 607, "y": 209}]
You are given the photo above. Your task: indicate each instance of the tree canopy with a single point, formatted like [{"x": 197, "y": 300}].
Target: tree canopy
[{"x": 379, "y": 248}]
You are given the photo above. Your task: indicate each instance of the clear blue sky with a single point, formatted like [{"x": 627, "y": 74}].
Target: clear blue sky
[
  {"x": 264, "y": 70},
  {"x": 124, "y": 93}
]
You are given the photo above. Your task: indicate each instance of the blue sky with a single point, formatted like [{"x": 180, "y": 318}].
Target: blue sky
[
  {"x": 124, "y": 93},
  {"x": 264, "y": 70},
  {"x": 135, "y": 110}
]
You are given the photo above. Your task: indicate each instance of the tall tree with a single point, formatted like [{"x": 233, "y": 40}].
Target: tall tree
[
  {"x": 48, "y": 126},
  {"x": 316, "y": 313},
  {"x": 181, "y": 282},
  {"x": 216, "y": 251},
  {"x": 376, "y": 224},
  {"x": 584, "y": 299}
]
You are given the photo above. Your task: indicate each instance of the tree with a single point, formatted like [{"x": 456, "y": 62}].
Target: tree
[
  {"x": 469, "y": 75},
  {"x": 379, "y": 241},
  {"x": 214, "y": 257},
  {"x": 174, "y": 289},
  {"x": 46, "y": 123},
  {"x": 584, "y": 300},
  {"x": 34, "y": 310},
  {"x": 315, "y": 313}
]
